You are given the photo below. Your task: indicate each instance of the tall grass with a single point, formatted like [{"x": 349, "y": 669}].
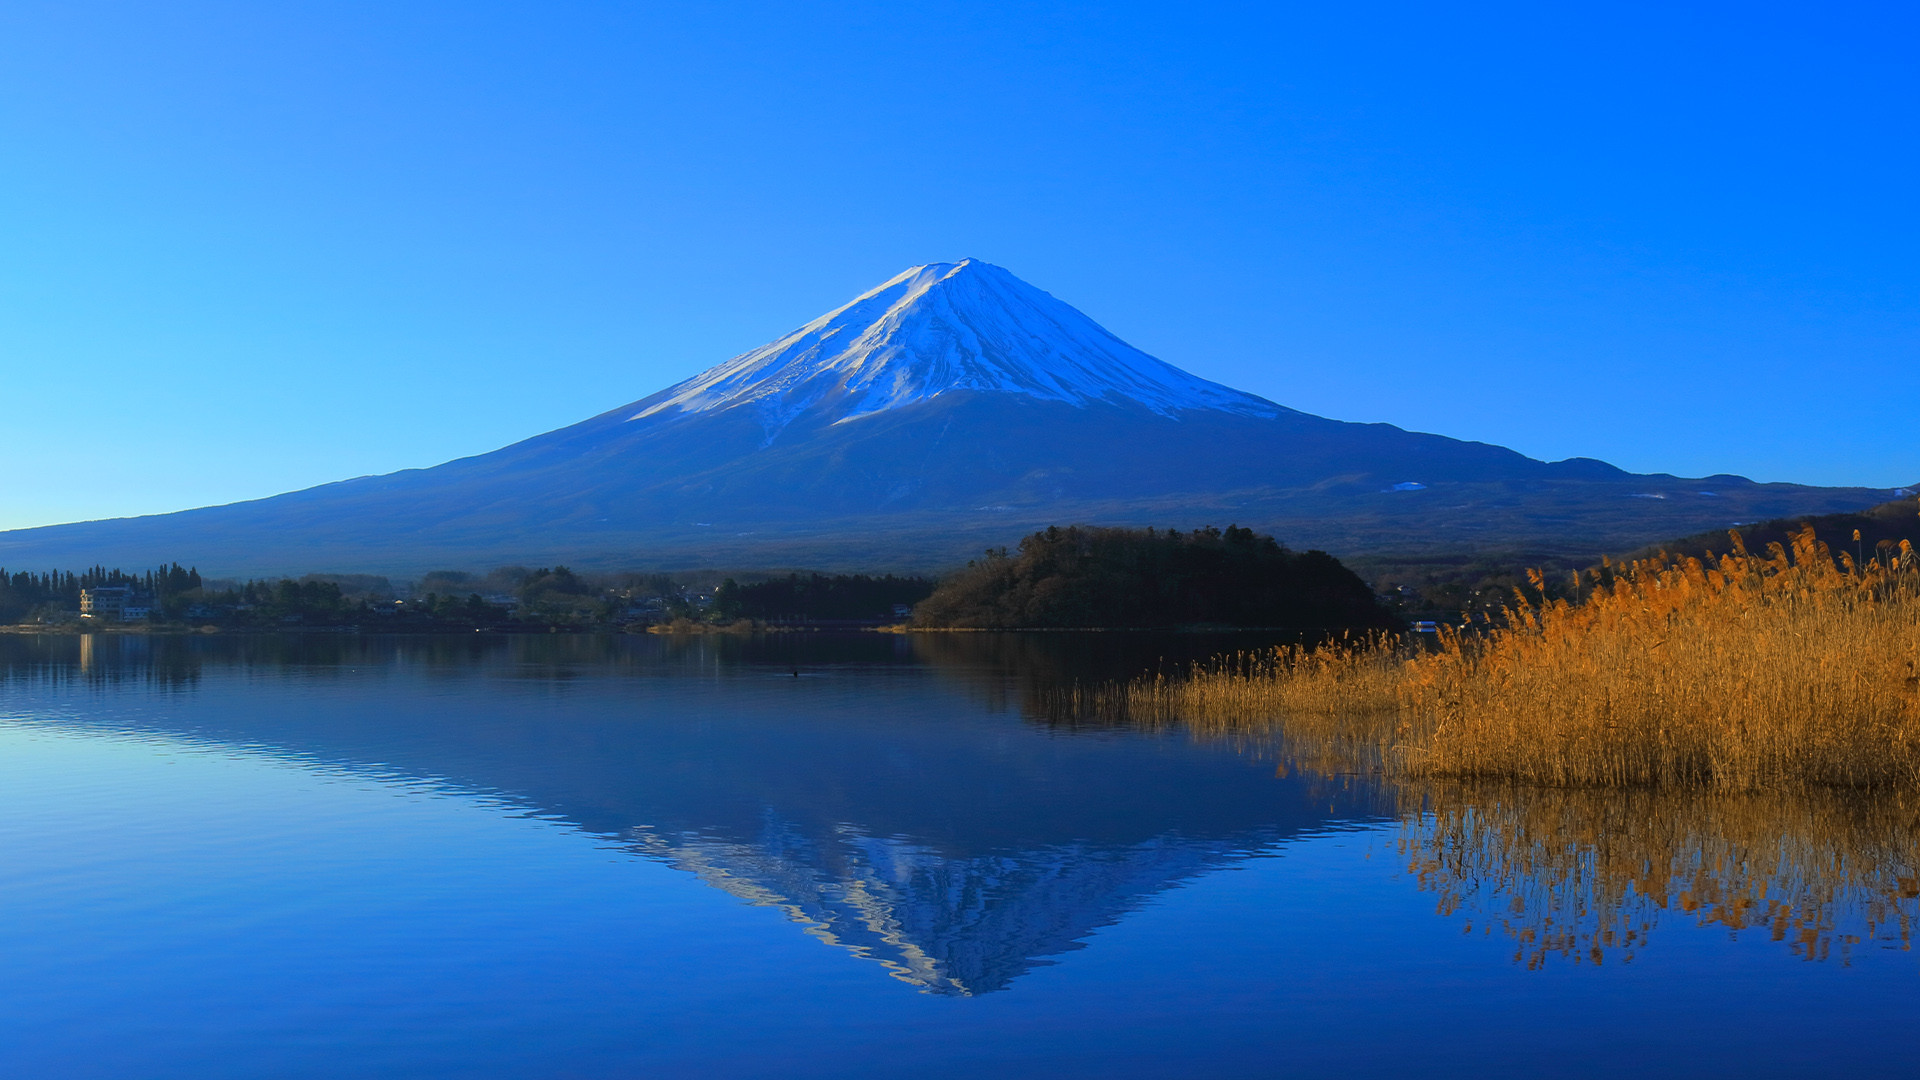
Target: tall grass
[{"x": 1792, "y": 668}]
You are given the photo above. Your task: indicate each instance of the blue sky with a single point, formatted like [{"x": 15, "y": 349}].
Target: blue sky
[{"x": 254, "y": 247}]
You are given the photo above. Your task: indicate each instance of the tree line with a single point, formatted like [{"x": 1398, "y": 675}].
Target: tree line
[
  {"x": 1078, "y": 576},
  {"x": 24, "y": 593},
  {"x": 819, "y": 597}
]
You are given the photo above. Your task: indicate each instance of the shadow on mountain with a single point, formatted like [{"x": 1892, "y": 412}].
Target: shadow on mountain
[{"x": 886, "y": 793}]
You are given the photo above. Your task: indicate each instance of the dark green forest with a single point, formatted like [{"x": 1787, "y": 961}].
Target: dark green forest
[
  {"x": 1110, "y": 577},
  {"x": 25, "y": 594},
  {"x": 178, "y": 594},
  {"x": 817, "y": 597}
]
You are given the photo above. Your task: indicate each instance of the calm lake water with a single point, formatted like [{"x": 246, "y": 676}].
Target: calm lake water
[{"x": 805, "y": 855}]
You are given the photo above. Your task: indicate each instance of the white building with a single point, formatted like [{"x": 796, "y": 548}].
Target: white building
[{"x": 113, "y": 603}]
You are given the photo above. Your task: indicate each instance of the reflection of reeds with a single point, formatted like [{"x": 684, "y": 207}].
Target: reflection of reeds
[
  {"x": 1742, "y": 673},
  {"x": 1586, "y": 875},
  {"x": 1734, "y": 742}
]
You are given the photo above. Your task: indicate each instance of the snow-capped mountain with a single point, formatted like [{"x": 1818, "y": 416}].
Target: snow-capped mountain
[
  {"x": 934, "y": 330},
  {"x": 953, "y": 407}
]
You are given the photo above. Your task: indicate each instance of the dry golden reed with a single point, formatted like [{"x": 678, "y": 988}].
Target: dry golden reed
[{"x": 1742, "y": 672}]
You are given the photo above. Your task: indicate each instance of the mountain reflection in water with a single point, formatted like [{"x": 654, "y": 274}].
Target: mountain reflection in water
[
  {"x": 887, "y": 793},
  {"x": 920, "y": 801}
]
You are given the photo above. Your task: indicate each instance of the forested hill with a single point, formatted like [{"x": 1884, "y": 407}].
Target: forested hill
[
  {"x": 1882, "y": 526},
  {"x": 1443, "y": 588},
  {"x": 1110, "y": 577}
]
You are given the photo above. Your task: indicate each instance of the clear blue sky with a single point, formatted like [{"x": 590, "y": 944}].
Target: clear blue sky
[{"x": 253, "y": 247}]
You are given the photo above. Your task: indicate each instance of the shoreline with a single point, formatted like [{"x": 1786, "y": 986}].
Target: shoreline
[{"x": 663, "y": 629}]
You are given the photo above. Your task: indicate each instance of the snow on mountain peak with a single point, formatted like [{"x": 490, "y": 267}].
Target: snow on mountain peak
[{"x": 938, "y": 328}]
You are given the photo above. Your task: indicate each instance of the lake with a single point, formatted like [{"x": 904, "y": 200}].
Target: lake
[{"x": 813, "y": 855}]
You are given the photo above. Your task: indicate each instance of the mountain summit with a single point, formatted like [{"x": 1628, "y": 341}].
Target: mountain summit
[
  {"x": 951, "y": 408},
  {"x": 935, "y": 329}
]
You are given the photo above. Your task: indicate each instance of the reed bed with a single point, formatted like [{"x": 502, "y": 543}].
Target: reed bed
[{"x": 1792, "y": 668}]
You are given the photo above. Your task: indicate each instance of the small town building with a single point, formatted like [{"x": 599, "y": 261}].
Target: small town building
[
  {"x": 114, "y": 603},
  {"x": 105, "y": 602}
]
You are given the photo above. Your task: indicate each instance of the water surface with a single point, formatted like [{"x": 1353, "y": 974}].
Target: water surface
[{"x": 803, "y": 855}]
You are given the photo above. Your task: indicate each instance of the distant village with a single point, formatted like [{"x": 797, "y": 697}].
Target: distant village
[{"x": 175, "y": 598}]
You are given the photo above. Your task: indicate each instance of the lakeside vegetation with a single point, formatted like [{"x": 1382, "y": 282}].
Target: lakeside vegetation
[
  {"x": 1076, "y": 577},
  {"x": 1084, "y": 576},
  {"x": 1797, "y": 668},
  {"x": 1444, "y": 586},
  {"x": 850, "y": 598},
  {"x": 1061, "y": 578},
  {"x": 27, "y": 595},
  {"x": 506, "y": 599},
  {"x": 179, "y": 598}
]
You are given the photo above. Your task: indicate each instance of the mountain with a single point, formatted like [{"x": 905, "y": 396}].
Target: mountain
[
  {"x": 943, "y": 329},
  {"x": 951, "y": 408}
]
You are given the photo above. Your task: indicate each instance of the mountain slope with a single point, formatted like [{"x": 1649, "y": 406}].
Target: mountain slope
[
  {"x": 940, "y": 329},
  {"x": 951, "y": 408}
]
